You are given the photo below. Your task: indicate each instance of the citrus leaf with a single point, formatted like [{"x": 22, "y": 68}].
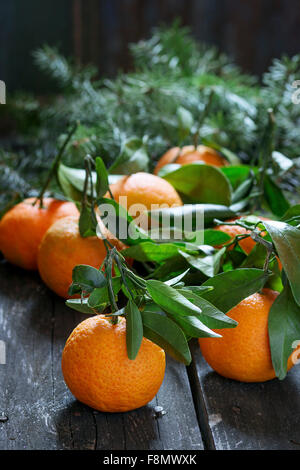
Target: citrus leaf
[
  {"x": 100, "y": 295},
  {"x": 231, "y": 287},
  {"x": 237, "y": 175},
  {"x": 211, "y": 316},
  {"x": 208, "y": 265},
  {"x": 199, "y": 183},
  {"x": 66, "y": 181},
  {"x": 170, "y": 300},
  {"x": 120, "y": 223},
  {"x": 284, "y": 330},
  {"x": 87, "y": 222},
  {"x": 243, "y": 189},
  {"x": 193, "y": 327},
  {"x": 102, "y": 178},
  {"x": 87, "y": 277},
  {"x": 134, "y": 329},
  {"x": 215, "y": 237},
  {"x": 275, "y": 197},
  {"x": 175, "y": 280},
  {"x": 293, "y": 213},
  {"x": 167, "y": 334},
  {"x": 232, "y": 158},
  {"x": 72, "y": 180},
  {"x": 80, "y": 305},
  {"x": 286, "y": 239},
  {"x": 199, "y": 290},
  {"x": 198, "y": 214},
  {"x": 149, "y": 251}
]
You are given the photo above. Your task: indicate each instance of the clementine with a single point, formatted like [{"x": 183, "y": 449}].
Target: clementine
[
  {"x": 190, "y": 154},
  {"x": 62, "y": 248},
  {"x": 145, "y": 189},
  {"x": 243, "y": 353},
  {"x": 247, "y": 244},
  {"x": 98, "y": 372},
  {"x": 23, "y": 227}
]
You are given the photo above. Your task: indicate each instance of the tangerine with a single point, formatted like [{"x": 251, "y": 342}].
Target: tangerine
[
  {"x": 23, "y": 227},
  {"x": 98, "y": 372},
  {"x": 190, "y": 154}
]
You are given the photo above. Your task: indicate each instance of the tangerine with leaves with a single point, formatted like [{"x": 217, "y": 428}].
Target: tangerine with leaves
[
  {"x": 247, "y": 244},
  {"x": 98, "y": 372},
  {"x": 190, "y": 154},
  {"x": 63, "y": 248},
  {"x": 146, "y": 189},
  {"x": 243, "y": 353},
  {"x": 23, "y": 227}
]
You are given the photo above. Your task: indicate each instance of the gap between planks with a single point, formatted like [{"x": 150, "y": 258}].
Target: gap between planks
[{"x": 199, "y": 403}]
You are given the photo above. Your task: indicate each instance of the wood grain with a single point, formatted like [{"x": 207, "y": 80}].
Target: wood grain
[
  {"x": 250, "y": 416},
  {"x": 42, "y": 413}
]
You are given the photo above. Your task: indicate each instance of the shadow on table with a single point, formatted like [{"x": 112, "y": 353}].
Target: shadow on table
[{"x": 80, "y": 427}]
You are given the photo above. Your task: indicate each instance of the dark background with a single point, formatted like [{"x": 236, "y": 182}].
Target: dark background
[{"x": 98, "y": 31}]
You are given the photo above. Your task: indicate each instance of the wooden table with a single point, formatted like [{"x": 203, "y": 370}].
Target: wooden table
[{"x": 203, "y": 410}]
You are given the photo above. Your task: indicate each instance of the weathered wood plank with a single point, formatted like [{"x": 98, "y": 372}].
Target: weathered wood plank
[
  {"x": 42, "y": 414},
  {"x": 251, "y": 416}
]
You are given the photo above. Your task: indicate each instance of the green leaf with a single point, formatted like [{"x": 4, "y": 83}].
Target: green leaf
[
  {"x": 132, "y": 158},
  {"x": 243, "y": 189},
  {"x": 208, "y": 265},
  {"x": 193, "y": 327},
  {"x": 292, "y": 215},
  {"x": 71, "y": 182},
  {"x": 149, "y": 251},
  {"x": 284, "y": 330},
  {"x": 232, "y": 158},
  {"x": 215, "y": 237},
  {"x": 175, "y": 280},
  {"x": 80, "y": 305},
  {"x": 198, "y": 183},
  {"x": 237, "y": 175},
  {"x": 167, "y": 334},
  {"x": 170, "y": 300},
  {"x": 196, "y": 213},
  {"x": 257, "y": 258},
  {"x": 87, "y": 222},
  {"x": 182, "y": 311},
  {"x": 172, "y": 267},
  {"x": 100, "y": 295},
  {"x": 231, "y": 287},
  {"x": 134, "y": 329},
  {"x": 275, "y": 197},
  {"x": 166, "y": 169},
  {"x": 199, "y": 290},
  {"x": 102, "y": 184},
  {"x": 211, "y": 315},
  {"x": 120, "y": 223},
  {"x": 87, "y": 277},
  {"x": 286, "y": 239}
]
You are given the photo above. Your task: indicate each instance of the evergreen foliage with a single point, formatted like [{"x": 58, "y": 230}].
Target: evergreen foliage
[{"x": 178, "y": 88}]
